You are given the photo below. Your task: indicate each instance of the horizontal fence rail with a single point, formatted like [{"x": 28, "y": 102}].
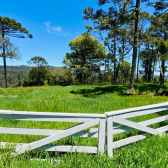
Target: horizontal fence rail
[
  {"x": 110, "y": 124},
  {"x": 122, "y": 118},
  {"x": 85, "y": 122}
]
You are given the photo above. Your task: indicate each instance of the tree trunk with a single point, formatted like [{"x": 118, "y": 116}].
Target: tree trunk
[
  {"x": 122, "y": 60},
  {"x": 138, "y": 68},
  {"x": 4, "y": 58},
  {"x": 136, "y": 32},
  {"x": 83, "y": 78},
  {"x": 153, "y": 70},
  {"x": 115, "y": 67},
  {"x": 5, "y": 74},
  {"x": 161, "y": 74},
  {"x": 150, "y": 69},
  {"x": 138, "y": 58},
  {"x": 150, "y": 65}
]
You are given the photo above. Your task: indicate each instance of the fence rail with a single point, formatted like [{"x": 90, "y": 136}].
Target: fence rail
[
  {"x": 85, "y": 121},
  {"x": 121, "y": 117},
  {"x": 109, "y": 124}
]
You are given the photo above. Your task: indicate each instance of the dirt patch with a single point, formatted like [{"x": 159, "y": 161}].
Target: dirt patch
[
  {"x": 10, "y": 96},
  {"x": 131, "y": 92}
]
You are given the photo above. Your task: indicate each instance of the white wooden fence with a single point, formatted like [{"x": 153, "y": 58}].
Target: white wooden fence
[
  {"x": 85, "y": 121},
  {"x": 121, "y": 117},
  {"x": 108, "y": 127}
]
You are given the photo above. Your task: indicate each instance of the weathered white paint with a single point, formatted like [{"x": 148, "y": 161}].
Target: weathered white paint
[
  {"x": 140, "y": 113},
  {"x": 110, "y": 136},
  {"x": 136, "y": 138},
  {"x": 144, "y": 123},
  {"x": 57, "y": 136},
  {"x": 136, "y": 126},
  {"x": 45, "y": 132},
  {"x": 60, "y": 148},
  {"x": 154, "y": 106},
  {"x": 102, "y": 136}
]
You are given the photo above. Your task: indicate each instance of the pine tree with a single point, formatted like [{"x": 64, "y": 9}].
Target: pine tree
[{"x": 9, "y": 27}]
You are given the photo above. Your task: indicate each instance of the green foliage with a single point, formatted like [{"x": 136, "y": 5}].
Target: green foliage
[
  {"x": 62, "y": 76},
  {"x": 125, "y": 70},
  {"x": 37, "y": 60},
  {"x": 113, "y": 26},
  {"x": 163, "y": 48},
  {"x": 87, "y": 53},
  {"x": 12, "y": 28},
  {"x": 11, "y": 51},
  {"x": 38, "y": 76}
]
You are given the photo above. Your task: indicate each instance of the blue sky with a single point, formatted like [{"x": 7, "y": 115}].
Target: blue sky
[{"x": 53, "y": 24}]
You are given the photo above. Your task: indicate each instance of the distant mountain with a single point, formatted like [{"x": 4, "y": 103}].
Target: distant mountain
[{"x": 14, "y": 71}]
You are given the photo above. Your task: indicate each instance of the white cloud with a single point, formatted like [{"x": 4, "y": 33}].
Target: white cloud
[{"x": 56, "y": 30}]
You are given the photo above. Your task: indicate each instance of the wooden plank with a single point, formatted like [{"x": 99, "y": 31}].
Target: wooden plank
[
  {"x": 80, "y": 149},
  {"x": 160, "y": 105},
  {"x": 127, "y": 141},
  {"x": 24, "y": 117},
  {"x": 47, "y": 116},
  {"x": 53, "y": 114},
  {"x": 57, "y": 136},
  {"x": 60, "y": 148},
  {"x": 140, "y": 113},
  {"x": 109, "y": 136},
  {"x": 153, "y": 121},
  {"x": 136, "y": 138},
  {"x": 163, "y": 129},
  {"x": 144, "y": 123},
  {"x": 136, "y": 126},
  {"x": 102, "y": 136},
  {"x": 28, "y": 131},
  {"x": 115, "y": 144},
  {"x": 45, "y": 132},
  {"x": 92, "y": 130}
]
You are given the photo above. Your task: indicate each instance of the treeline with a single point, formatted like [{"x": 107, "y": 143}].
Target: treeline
[
  {"x": 125, "y": 33},
  {"x": 23, "y": 76},
  {"x": 49, "y": 75}
]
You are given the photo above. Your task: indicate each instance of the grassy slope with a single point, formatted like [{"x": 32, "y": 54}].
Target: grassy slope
[{"x": 83, "y": 99}]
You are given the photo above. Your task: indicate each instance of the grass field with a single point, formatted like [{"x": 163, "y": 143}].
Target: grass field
[{"x": 151, "y": 152}]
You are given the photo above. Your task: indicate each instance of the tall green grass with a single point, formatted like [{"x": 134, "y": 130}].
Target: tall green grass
[
  {"x": 82, "y": 99},
  {"x": 77, "y": 99},
  {"x": 152, "y": 152}
]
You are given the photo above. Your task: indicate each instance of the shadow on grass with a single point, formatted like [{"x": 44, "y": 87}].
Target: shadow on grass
[
  {"x": 96, "y": 91},
  {"x": 120, "y": 89},
  {"x": 148, "y": 87}
]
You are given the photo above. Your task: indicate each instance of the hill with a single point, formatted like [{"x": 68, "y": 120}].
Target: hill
[{"x": 14, "y": 71}]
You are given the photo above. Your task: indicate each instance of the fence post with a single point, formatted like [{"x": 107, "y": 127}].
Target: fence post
[
  {"x": 101, "y": 136},
  {"x": 110, "y": 136}
]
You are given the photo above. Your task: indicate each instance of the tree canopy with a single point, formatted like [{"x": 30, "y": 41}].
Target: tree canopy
[
  {"x": 86, "y": 54},
  {"x": 119, "y": 18},
  {"x": 39, "y": 74},
  {"x": 9, "y": 27}
]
